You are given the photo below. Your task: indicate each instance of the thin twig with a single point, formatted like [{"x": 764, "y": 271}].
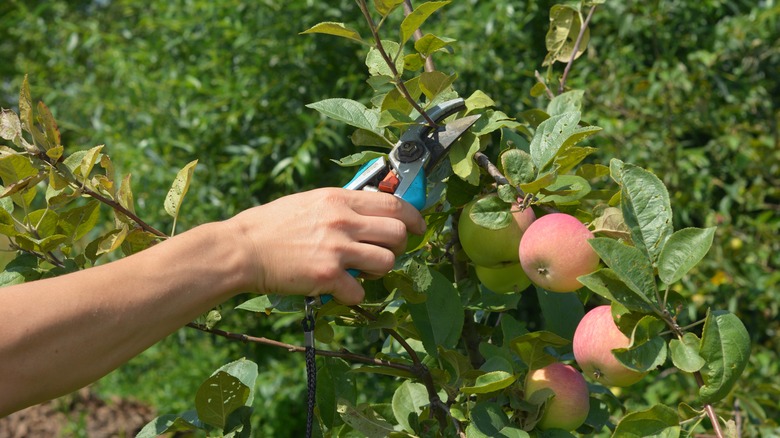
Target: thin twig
[
  {"x": 577, "y": 43},
  {"x": 399, "y": 83},
  {"x": 546, "y": 88},
  {"x": 709, "y": 409},
  {"x": 299, "y": 349}
]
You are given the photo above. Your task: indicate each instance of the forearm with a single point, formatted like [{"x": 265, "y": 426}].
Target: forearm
[{"x": 62, "y": 333}]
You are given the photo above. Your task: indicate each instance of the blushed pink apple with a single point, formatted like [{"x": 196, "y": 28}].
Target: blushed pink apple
[
  {"x": 488, "y": 247},
  {"x": 569, "y": 408},
  {"x": 503, "y": 279},
  {"x": 554, "y": 251},
  {"x": 594, "y": 339}
]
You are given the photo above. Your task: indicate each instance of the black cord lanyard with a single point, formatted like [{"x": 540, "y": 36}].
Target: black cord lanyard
[{"x": 311, "y": 365}]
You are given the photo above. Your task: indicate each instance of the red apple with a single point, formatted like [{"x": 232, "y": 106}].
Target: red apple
[
  {"x": 554, "y": 251},
  {"x": 594, "y": 339},
  {"x": 569, "y": 408},
  {"x": 488, "y": 247}
]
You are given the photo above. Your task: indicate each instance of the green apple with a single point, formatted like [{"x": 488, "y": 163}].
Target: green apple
[
  {"x": 594, "y": 339},
  {"x": 503, "y": 279},
  {"x": 569, "y": 408},
  {"x": 554, "y": 251},
  {"x": 488, "y": 247}
]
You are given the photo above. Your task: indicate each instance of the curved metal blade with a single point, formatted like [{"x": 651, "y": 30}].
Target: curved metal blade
[{"x": 440, "y": 140}]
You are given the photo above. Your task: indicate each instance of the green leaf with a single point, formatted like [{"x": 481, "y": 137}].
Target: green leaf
[
  {"x": 365, "y": 420},
  {"x": 570, "y": 101},
  {"x": 462, "y": 158},
  {"x": 542, "y": 180},
  {"x": 628, "y": 263},
  {"x": 413, "y": 21},
  {"x": 359, "y": 158},
  {"x": 435, "y": 82},
  {"x": 348, "y": 111},
  {"x": 50, "y": 129},
  {"x": 430, "y": 43},
  {"x": 518, "y": 166},
  {"x": 334, "y": 383},
  {"x": 377, "y": 65},
  {"x": 15, "y": 168},
  {"x": 532, "y": 348},
  {"x": 550, "y": 136},
  {"x": 179, "y": 188},
  {"x": 492, "y": 121},
  {"x": 408, "y": 402},
  {"x": 561, "y": 311},
  {"x": 657, "y": 422},
  {"x": 685, "y": 353},
  {"x": 725, "y": 346},
  {"x": 25, "y": 106},
  {"x": 167, "y": 424},
  {"x": 566, "y": 189},
  {"x": 364, "y": 137},
  {"x": 439, "y": 319},
  {"x": 491, "y": 212},
  {"x": 684, "y": 250},
  {"x": 218, "y": 397},
  {"x": 260, "y": 304},
  {"x": 646, "y": 207},
  {"x": 478, "y": 100},
  {"x": 88, "y": 162},
  {"x": 337, "y": 29},
  {"x": 490, "y": 382},
  {"x": 647, "y": 350},
  {"x": 78, "y": 221},
  {"x": 605, "y": 282},
  {"x": 384, "y": 7},
  {"x": 489, "y": 420}
]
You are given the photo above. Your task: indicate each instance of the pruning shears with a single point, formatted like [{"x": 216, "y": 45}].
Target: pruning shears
[{"x": 416, "y": 154}]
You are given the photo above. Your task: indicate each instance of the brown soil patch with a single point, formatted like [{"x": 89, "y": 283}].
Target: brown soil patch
[{"x": 78, "y": 414}]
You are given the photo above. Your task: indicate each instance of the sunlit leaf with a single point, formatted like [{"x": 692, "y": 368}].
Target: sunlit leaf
[
  {"x": 333, "y": 28},
  {"x": 491, "y": 212},
  {"x": 218, "y": 397},
  {"x": 439, "y": 319},
  {"x": 684, "y": 250},
  {"x": 550, "y": 136},
  {"x": 179, "y": 188},
  {"x": 657, "y": 422},
  {"x": 630, "y": 264},
  {"x": 413, "y": 21},
  {"x": 646, "y": 207},
  {"x": 359, "y": 158},
  {"x": 685, "y": 353},
  {"x": 725, "y": 347},
  {"x": 429, "y": 44},
  {"x": 532, "y": 348},
  {"x": 409, "y": 400},
  {"x": 348, "y": 111},
  {"x": 490, "y": 382},
  {"x": 384, "y": 7}
]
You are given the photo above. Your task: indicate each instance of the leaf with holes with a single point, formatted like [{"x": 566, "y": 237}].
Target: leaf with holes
[{"x": 218, "y": 397}]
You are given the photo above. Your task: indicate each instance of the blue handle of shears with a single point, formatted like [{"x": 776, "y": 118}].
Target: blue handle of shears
[{"x": 415, "y": 195}]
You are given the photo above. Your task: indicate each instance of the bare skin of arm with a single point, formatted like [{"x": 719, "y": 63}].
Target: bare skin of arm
[{"x": 63, "y": 333}]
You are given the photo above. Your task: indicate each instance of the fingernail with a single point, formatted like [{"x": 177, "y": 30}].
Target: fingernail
[{"x": 423, "y": 225}]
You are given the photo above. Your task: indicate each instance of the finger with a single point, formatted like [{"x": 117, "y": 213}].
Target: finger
[
  {"x": 382, "y": 231},
  {"x": 387, "y": 205},
  {"x": 370, "y": 259},
  {"x": 347, "y": 290}
]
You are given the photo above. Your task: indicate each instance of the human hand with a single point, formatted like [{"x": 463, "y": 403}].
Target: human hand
[{"x": 303, "y": 244}]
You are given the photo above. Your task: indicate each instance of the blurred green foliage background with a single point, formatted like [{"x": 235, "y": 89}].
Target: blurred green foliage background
[{"x": 690, "y": 90}]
